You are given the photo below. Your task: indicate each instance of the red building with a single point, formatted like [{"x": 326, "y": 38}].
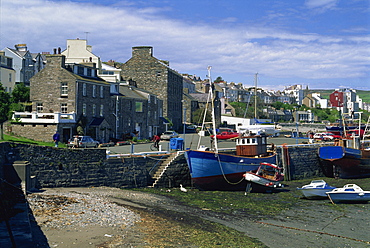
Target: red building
[{"x": 336, "y": 99}]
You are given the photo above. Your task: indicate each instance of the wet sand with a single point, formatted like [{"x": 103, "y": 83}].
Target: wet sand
[{"x": 313, "y": 225}]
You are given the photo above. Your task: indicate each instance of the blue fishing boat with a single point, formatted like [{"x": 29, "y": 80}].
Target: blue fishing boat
[
  {"x": 211, "y": 169},
  {"x": 347, "y": 158}
]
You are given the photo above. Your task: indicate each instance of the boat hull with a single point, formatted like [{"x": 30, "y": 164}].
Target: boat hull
[
  {"x": 220, "y": 171},
  {"x": 315, "y": 193},
  {"x": 344, "y": 162},
  {"x": 349, "y": 197},
  {"x": 262, "y": 185}
]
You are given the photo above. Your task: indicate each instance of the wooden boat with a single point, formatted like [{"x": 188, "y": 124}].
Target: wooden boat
[
  {"x": 266, "y": 179},
  {"x": 349, "y": 193},
  {"x": 316, "y": 189},
  {"x": 211, "y": 169}
]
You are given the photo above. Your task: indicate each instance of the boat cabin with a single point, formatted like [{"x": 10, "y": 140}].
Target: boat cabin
[
  {"x": 353, "y": 142},
  {"x": 251, "y": 146}
]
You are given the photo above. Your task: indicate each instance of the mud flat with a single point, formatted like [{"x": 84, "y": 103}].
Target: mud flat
[{"x": 137, "y": 219}]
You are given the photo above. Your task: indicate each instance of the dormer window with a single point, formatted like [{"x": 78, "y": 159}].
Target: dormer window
[
  {"x": 80, "y": 70},
  {"x": 64, "y": 89},
  {"x": 88, "y": 72}
]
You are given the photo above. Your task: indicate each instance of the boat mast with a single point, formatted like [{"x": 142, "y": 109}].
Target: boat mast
[
  {"x": 213, "y": 109},
  {"x": 255, "y": 97}
]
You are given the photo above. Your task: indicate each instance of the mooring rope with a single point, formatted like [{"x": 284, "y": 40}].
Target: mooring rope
[{"x": 223, "y": 173}]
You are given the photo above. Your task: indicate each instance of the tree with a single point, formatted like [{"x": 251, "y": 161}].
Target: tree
[
  {"x": 4, "y": 108},
  {"x": 198, "y": 116},
  {"x": 20, "y": 93},
  {"x": 218, "y": 79}
]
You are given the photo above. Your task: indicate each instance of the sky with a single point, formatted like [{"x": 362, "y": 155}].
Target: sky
[{"x": 322, "y": 44}]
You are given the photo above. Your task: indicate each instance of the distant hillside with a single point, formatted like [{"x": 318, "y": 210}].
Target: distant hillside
[{"x": 363, "y": 94}]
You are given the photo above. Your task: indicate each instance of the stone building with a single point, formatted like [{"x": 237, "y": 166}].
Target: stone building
[
  {"x": 138, "y": 110},
  {"x": 65, "y": 96},
  {"x": 157, "y": 77}
]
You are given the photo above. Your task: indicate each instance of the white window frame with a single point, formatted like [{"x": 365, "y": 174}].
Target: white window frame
[
  {"x": 84, "y": 89},
  {"x": 39, "y": 107},
  {"x": 94, "y": 91},
  {"x": 101, "y": 110},
  {"x": 94, "y": 110},
  {"x": 84, "y": 109},
  {"x": 64, "y": 89},
  {"x": 63, "y": 108}
]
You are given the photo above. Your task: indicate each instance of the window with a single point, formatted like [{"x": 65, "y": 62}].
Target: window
[
  {"x": 64, "y": 89},
  {"x": 39, "y": 107},
  {"x": 63, "y": 108},
  {"x": 94, "y": 110},
  {"x": 101, "y": 110},
  {"x": 94, "y": 91},
  {"x": 88, "y": 72},
  {"x": 84, "y": 89},
  {"x": 84, "y": 109},
  {"x": 10, "y": 77},
  {"x": 101, "y": 91},
  {"x": 138, "y": 107},
  {"x": 80, "y": 70}
]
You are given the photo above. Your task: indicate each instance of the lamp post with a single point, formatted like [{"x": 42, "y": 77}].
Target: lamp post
[
  {"x": 296, "y": 141},
  {"x": 183, "y": 102}
]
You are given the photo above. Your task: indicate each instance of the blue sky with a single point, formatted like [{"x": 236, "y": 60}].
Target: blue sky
[{"x": 316, "y": 43}]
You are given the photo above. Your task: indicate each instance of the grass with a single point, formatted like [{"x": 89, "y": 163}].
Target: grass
[
  {"x": 254, "y": 206},
  {"x": 22, "y": 140}
]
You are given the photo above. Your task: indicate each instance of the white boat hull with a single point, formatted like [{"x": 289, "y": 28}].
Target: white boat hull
[
  {"x": 315, "y": 193},
  {"x": 349, "y": 197},
  {"x": 349, "y": 193}
]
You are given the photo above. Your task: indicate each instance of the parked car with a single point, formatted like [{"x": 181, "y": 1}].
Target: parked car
[
  {"x": 169, "y": 134},
  {"x": 83, "y": 141}
]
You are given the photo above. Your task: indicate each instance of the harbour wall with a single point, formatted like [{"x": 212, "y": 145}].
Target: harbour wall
[{"x": 57, "y": 167}]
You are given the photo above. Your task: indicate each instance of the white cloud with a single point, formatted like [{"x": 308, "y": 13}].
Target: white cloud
[
  {"x": 321, "y": 4},
  {"x": 45, "y": 25}
]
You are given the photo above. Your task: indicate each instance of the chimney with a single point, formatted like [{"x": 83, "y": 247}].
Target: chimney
[
  {"x": 142, "y": 51},
  {"x": 55, "y": 60},
  {"x": 21, "y": 47}
]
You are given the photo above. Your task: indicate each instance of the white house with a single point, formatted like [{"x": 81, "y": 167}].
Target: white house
[
  {"x": 23, "y": 63},
  {"x": 78, "y": 52},
  {"x": 7, "y": 73}
]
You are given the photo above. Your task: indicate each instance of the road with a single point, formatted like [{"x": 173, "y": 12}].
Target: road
[{"x": 191, "y": 141}]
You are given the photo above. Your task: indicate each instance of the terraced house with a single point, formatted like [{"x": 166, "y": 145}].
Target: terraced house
[{"x": 66, "y": 97}]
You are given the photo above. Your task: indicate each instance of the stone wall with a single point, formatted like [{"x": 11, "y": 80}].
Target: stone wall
[
  {"x": 57, "y": 167},
  {"x": 300, "y": 161},
  {"x": 43, "y": 132}
]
